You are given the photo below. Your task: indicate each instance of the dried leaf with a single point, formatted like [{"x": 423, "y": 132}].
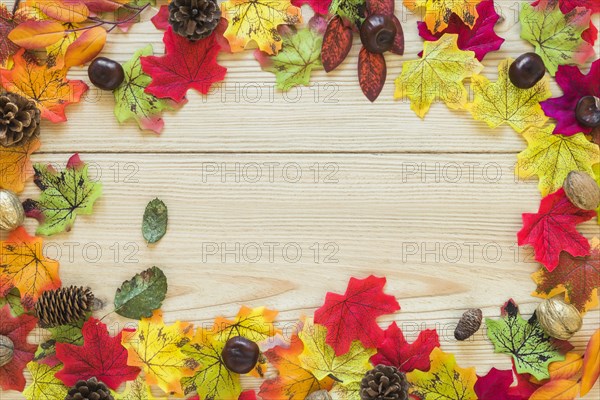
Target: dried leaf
[
  {"x": 552, "y": 157},
  {"x": 337, "y": 43},
  {"x": 43, "y": 383},
  {"x": 156, "y": 217},
  {"x": 372, "y": 72},
  {"x": 7, "y": 23},
  {"x": 16, "y": 329},
  {"x": 438, "y": 75},
  {"x": 15, "y": 165},
  {"x": 136, "y": 390},
  {"x": 567, "y": 368},
  {"x": 561, "y": 389},
  {"x": 438, "y": 12},
  {"x": 591, "y": 364},
  {"x": 86, "y": 47},
  {"x": 138, "y": 297},
  {"x": 35, "y": 34},
  {"x": 257, "y": 20},
  {"x": 64, "y": 10}
]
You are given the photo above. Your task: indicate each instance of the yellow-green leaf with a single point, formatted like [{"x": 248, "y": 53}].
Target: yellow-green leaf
[{"x": 43, "y": 383}]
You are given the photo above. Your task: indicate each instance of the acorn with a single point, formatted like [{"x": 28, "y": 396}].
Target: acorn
[
  {"x": 240, "y": 355},
  {"x": 559, "y": 319},
  {"x": 469, "y": 324},
  {"x": 12, "y": 214},
  {"x": 582, "y": 190},
  {"x": 377, "y": 33},
  {"x": 7, "y": 348}
]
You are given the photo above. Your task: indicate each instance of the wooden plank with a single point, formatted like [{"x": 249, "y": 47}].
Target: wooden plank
[{"x": 412, "y": 218}]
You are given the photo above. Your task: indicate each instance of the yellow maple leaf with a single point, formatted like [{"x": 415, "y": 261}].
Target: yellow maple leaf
[
  {"x": 212, "y": 380},
  {"x": 444, "y": 380},
  {"x": 319, "y": 358},
  {"x": 257, "y": 20},
  {"x": 43, "y": 384},
  {"x": 157, "y": 350},
  {"x": 136, "y": 390},
  {"x": 15, "y": 165},
  {"x": 551, "y": 157},
  {"x": 24, "y": 266},
  {"x": 439, "y": 74},
  {"x": 438, "y": 12},
  {"x": 502, "y": 102},
  {"x": 255, "y": 324}
]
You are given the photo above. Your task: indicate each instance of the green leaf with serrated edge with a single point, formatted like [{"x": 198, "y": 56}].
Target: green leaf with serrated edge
[
  {"x": 353, "y": 10},
  {"x": 556, "y": 36},
  {"x": 13, "y": 299},
  {"x": 70, "y": 334},
  {"x": 532, "y": 350},
  {"x": 300, "y": 54},
  {"x": 156, "y": 218},
  {"x": 131, "y": 100},
  {"x": 43, "y": 385},
  {"x": 138, "y": 297},
  {"x": 65, "y": 194}
]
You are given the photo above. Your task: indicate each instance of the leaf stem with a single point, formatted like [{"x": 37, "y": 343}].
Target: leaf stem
[
  {"x": 100, "y": 22},
  {"x": 16, "y": 7}
]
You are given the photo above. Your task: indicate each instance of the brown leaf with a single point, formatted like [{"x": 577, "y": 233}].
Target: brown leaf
[
  {"x": 371, "y": 73},
  {"x": 337, "y": 43}
]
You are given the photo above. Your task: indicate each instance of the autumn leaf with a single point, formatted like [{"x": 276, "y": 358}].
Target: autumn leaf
[
  {"x": 445, "y": 379},
  {"x": 157, "y": 350},
  {"x": 301, "y": 54},
  {"x": 37, "y": 34},
  {"x": 591, "y": 364},
  {"x": 7, "y": 23},
  {"x": 47, "y": 87},
  {"x": 15, "y": 165},
  {"x": 556, "y": 36},
  {"x": 101, "y": 356},
  {"x": 293, "y": 382},
  {"x": 86, "y": 47},
  {"x": 44, "y": 385},
  {"x": 131, "y": 99},
  {"x": 64, "y": 10},
  {"x": 552, "y": 157},
  {"x": 138, "y": 297},
  {"x": 350, "y": 10},
  {"x": 352, "y": 316},
  {"x": 372, "y": 72},
  {"x": 318, "y": 6},
  {"x": 337, "y": 42},
  {"x": 55, "y": 54},
  {"x": 320, "y": 359},
  {"x": 70, "y": 334},
  {"x": 136, "y": 390},
  {"x": 212, "y": 380},
  {"x": 577, "y": 277},
  {"x": 257, "y": 20},
  {"x": 560, "y": 389},
  {"x": 574, "y": 85},
  {"x": 531, "y": 348},
  {"x": 439, "y": 74},
  {"x": 480, "y": 38},
  {"x": 12, "y": 299},
  {"x": 502, "y": 102},
  {"x": 255, "y": 324},
  {"x": 495, "y": 385},
  {"x": 16, "y": 329},
  {"x": 394, "y": 350},
  {"x": 65, "y": 194},
  {"x": 186, "y": 64},
  {"x": 438, "y": 12},
  {"x": 567, "y": 368},
  {"x": 24, "y": 266},
  {"x": 155, "y": 221}
]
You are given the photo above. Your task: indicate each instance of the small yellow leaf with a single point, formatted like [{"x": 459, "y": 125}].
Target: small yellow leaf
[
  {"x": 437, "y": 12},
  {"x": 64, "y": 10},
  {"x": 255, "y": 324},
  {"x": 591, "y": 364},
  {"x": 562, "y": 389},
  {"x": 37, "y": 34},
  {"x": 43, "y": 383}
]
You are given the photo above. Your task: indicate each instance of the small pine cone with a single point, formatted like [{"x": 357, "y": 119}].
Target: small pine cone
[
  {"x": 194, "y": 19},
  {"x": 469, "y": 324},
  {"x": 19, "y": 119},
  {"x": 384, "y": 383},
  {"x": 63, "y": 306},
  {"x": 89, "y": 390}
]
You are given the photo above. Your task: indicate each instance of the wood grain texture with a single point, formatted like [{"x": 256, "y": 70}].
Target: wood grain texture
[{"x": 356, "y": 188}]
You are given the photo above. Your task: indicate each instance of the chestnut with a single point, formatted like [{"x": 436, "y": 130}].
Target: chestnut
[{"x": 377, "y": 33}]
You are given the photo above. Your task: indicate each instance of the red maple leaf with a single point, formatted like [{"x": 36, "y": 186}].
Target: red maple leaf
[
  {"x": 101, "y": 356},
  {"x": 553, "y": 229},
  {"x": 16, "y": 329},
  {"x": 318, "y": 6},
  {"x": 525, "y": 387},
  {"x": 577, "y": 277},
  {"x": 248, "y": 395},
  {"x": 495, "y": 385},
  {"x": 394, "y": 350},
  {"x": 186, "y": 64},
  {"x": 353, "y": 315}
]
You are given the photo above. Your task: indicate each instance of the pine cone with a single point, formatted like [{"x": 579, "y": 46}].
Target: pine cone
[
  {"x": 194, "y": 19},
  {"x": 469, "y": 324},
  {"x": 19, "y": 119},
  {"x": 63, "y": 306},
  {"x": 384, "y": 383},
  {"x": 90, "y": 389}
]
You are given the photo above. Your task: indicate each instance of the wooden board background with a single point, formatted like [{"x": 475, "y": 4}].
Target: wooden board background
[{"x": 433, "y": 205}]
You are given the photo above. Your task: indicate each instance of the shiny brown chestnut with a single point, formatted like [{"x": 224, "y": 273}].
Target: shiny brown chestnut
[
  {"x": 527, "y": 70},
  {"x": 588, "y": 111},
  {"x": 377, "y": 33},
  {"x": 240, "y": 355},
  {"x": 106, "y": 74}
]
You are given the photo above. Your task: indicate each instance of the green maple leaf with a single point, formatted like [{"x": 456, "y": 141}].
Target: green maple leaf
[
  {"x": 301, "y": 53},
  {"x": 132, "y": 102},
  {"x": 556, "y": 36},
  {"x": 353, "y": 10},
  {"x": 70, "y": 334},
  {"x": 65, "y": 194},
  {"x": 531, "y": 349}
]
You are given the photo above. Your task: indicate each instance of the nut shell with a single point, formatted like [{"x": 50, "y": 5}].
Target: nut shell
[
  {"x": 469, "y": 323},
  {"x": 12, "y": 214},
  {"x": 318, "y": 395},
  {"x": 7, "y": 348},
  {"x": 558, "y": 318},
  {"x": 582, "y": 190}
]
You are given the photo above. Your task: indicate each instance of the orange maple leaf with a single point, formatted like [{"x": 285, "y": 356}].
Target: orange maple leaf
[
  {"x": 48, "y": 87},
  {"x": 15, "y": 165},
  {"x": 23, "y": 266}
]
